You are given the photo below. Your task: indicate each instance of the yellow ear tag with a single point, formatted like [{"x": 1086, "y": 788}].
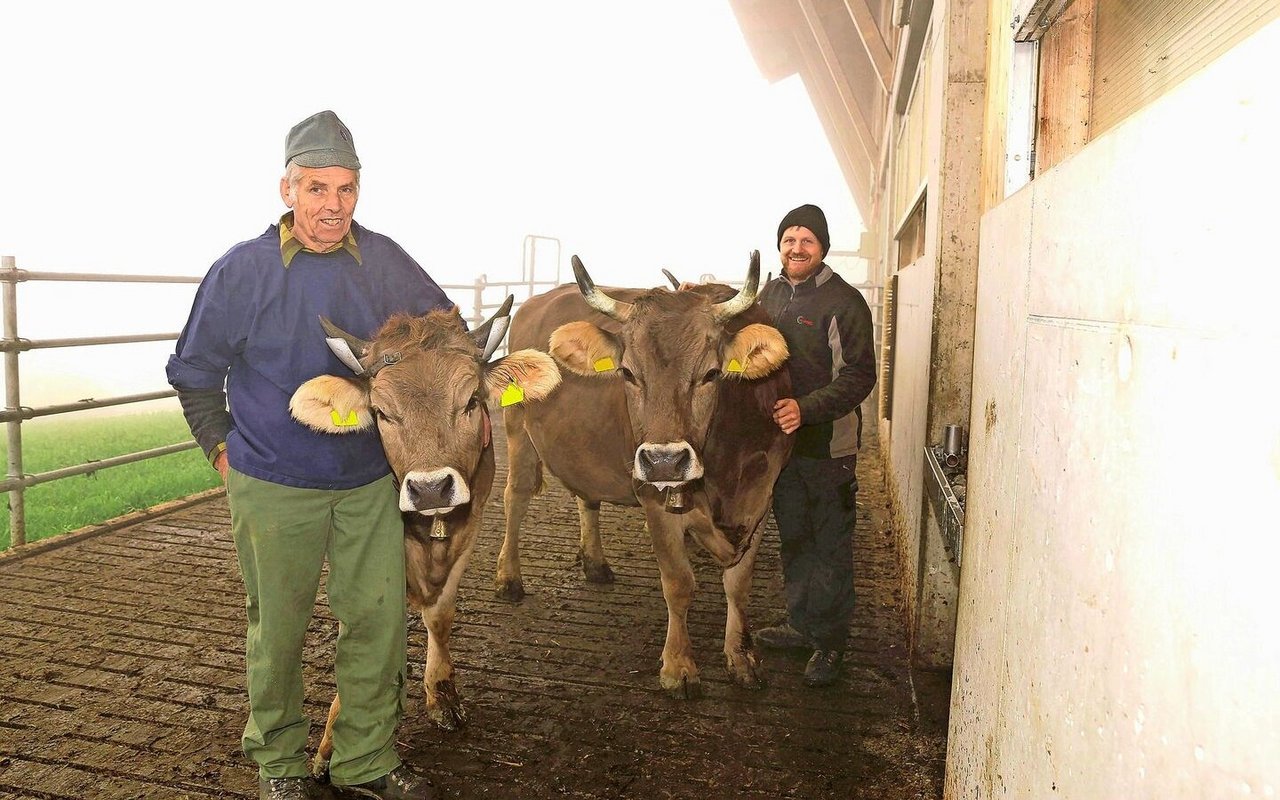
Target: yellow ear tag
[
  {"x": 349, "y": 422},
  {"x": 512, "y": 394},
  {"x": 734, "y": 366},
  {"x": 603, "y": 364}
]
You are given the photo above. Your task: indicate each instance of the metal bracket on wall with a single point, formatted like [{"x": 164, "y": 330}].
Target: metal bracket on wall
[{"x": 945, "y": 503}]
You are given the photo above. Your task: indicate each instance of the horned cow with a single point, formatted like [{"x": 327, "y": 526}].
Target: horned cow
[
  {"x": 426, "y": 383},
  {"x": 666, "y": 402}
]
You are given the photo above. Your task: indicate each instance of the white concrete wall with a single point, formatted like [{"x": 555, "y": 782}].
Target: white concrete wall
[
  {"x": 1119, "y": 630},
  {"x": 913, "y": 344},
  {"x": 905, "y": 462}
]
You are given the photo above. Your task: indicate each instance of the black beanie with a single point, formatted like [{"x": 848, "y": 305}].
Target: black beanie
[{"x": 807, "y": 216}]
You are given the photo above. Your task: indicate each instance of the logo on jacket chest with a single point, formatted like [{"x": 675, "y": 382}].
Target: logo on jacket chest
[{"x": 805, "y": 321}]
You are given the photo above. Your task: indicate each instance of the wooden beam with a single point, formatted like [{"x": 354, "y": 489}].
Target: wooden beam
[
  {"x": 877, "y": 50},
  {"x": 852, "y": 111},
  {"x": 1066, "y": 82}
]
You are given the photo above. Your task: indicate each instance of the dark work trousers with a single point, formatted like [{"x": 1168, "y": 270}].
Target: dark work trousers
[{"x": 814, "y": 504}]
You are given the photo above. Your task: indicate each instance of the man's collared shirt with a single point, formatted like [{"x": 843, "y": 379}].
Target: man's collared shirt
[{"x": 291, "y": 245}]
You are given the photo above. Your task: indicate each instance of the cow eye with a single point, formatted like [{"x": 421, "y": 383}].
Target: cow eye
[
  {"x": 626, "y": 375},
  {"x": 473, "y": 403},
  {"x": 712, "y": 374}
]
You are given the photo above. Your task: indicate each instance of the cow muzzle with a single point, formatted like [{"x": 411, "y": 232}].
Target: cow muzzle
[
  {"x": 667, "y": 465},
  {"x": 437, "y": 491}
]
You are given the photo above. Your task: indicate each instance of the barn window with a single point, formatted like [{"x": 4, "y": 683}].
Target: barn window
[{"x": 1089, "y": 64}]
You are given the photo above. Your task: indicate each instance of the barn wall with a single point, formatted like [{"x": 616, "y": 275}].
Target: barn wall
[
  {"x": 913, "y": 345},
  {"x": 1117, "y": 627},
  {"x": 934, "y": 337}
]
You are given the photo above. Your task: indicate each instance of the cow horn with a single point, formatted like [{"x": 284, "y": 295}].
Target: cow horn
[
  {"x": 489, "y": 335},
  {"x": 675, "y": 284},
  {"x": 722, "y": 312},
  {"x": 349, "y": 349},
  {"x": 597, "y": 299}
]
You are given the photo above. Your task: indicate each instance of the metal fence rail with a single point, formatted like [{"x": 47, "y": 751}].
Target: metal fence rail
[{"x": 12, "y": 345}]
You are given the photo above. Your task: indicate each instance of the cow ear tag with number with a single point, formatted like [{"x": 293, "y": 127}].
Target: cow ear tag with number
[
  {"x": 603, "y": 364},
  {"x": 512, "y": 394},
  {"x": 734, "y": 366},
  {"x": 350, "y": 420}
]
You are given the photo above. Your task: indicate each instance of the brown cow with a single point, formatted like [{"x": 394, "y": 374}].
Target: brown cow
[
  {"x": 666, "y": 402},
  {"x": 426, "y": 383}
]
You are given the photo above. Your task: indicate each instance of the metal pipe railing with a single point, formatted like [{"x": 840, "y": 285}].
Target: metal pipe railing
[
  {"x": 17, "y": 511},
  {"x": 81, "y": 405},
  {"x": 93, "y": 466}
]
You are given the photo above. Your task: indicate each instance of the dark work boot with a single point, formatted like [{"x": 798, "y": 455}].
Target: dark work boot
[
  {"x": 783, "y": 637},
  {"x": 399, "y": 784},
  {"x": 823, "y": 668},
  {"x": 287, "y": 789}
]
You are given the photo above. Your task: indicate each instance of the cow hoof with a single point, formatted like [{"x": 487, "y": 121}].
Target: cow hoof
[
  {"x": 748, "y": 673},
  {"x": 683, "y": 688},
  {"x": 448, "y": 718},
  {"x": 597, "y": 571},
  {"x": 754, "y": 680},
  {"x": 511, "y": 591},
  {"x": 444, "y": 707}
]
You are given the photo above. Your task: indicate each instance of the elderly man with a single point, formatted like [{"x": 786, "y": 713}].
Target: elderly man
[
  {"x": 827, "y": 326},
  {"x": 299, "y": 497}
]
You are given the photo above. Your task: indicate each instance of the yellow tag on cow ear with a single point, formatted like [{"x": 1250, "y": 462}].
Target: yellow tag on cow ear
[
  {"x": 603, "y": 364},
  {"x": 734, "y": 366},
  {"x": 350, "y": 421},
  {"x": 512, "y": 394}
]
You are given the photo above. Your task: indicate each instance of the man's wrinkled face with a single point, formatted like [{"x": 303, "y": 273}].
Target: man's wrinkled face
[
  {"x": 800, "y": 252},
  {"x": 323, "y": 203}
]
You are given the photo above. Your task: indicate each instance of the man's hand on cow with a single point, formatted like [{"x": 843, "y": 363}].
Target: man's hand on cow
[
  {"x": 786, "y": 412},
  {"x": 220, "y": 464}
]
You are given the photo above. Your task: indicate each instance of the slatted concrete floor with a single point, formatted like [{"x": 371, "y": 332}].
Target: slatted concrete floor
[{"x": 121, "y": 674}]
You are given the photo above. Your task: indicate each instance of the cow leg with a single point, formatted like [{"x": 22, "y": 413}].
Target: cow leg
[
  {"x": 444, "y": 706},
  {"x": 524, "y": 480},
  {"x": 320, "y": 764},
  {"x": 742, "y": 660},
  {"x": 594, "y": 564},
  {"x": 679, "y": 673}
]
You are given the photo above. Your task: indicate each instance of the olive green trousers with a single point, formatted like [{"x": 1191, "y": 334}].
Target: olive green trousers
[{"x": 283, "y": 536}]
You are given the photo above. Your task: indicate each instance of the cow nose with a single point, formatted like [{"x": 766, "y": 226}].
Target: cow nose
[
  {"x": 431, "y": 490},
  {"x": 665, "y": 463},
  {"x": 435, "y": 490}
]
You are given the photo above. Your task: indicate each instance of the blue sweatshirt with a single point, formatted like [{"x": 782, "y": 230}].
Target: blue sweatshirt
[{"x": 255, "y": 329}]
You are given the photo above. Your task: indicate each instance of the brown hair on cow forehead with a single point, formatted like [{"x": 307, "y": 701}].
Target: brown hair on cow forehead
[
  {"x": 438, "y": 330},
  {"x": 679, "y": 320}
]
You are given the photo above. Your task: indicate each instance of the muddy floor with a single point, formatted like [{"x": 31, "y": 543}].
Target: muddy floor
[{"x": 121, "y": 674}]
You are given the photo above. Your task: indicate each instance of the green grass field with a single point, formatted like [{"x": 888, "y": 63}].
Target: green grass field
[{"x": 70, "y": 503}]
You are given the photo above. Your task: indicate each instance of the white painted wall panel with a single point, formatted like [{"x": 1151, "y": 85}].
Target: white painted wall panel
[
  {"x": 1131, "y": 501},
  {"x": 910, "y": 408},
  {"x": 1156, "y": 224},
  {"x": 999, "y": 362}
]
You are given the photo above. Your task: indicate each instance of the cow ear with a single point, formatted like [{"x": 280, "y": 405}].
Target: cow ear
[
  {"x": 525, "y": 375},
  {"x": 755, "y": 351},
  {"x": 585, "y": 349},
  {"x": 330, "y": 404}
]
